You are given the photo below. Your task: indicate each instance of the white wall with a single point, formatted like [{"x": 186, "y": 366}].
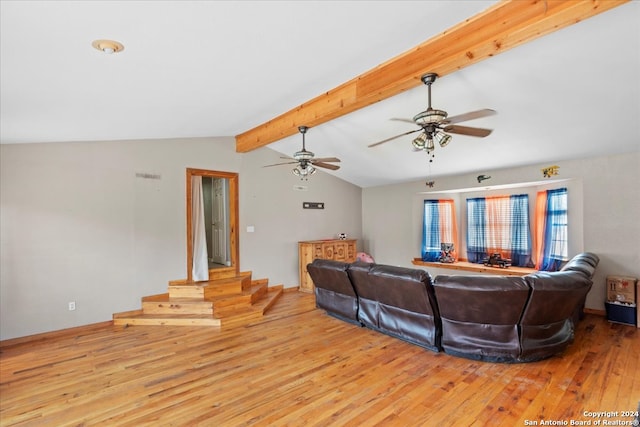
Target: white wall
[
  {"x": 604, "y": 209},
  {"x": 76, "y": 224},
  {"x": 269, "y": 202}
]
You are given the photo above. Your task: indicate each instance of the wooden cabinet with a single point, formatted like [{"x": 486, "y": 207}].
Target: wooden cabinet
[{"x": 339, "y": 250}]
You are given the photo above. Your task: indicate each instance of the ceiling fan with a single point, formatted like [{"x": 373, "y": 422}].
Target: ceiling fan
[
  {"x": 436, "y": 126},
  {"x": 306, "y": 163}
]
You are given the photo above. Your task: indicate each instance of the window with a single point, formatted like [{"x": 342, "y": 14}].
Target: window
[
  {"x": 551, "y": 229},
  {"x": 499, "y": 225},
  {"x": 439, "y": 226}
]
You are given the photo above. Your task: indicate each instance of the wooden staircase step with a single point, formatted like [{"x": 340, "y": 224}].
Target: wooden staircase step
[
  {"x": 273, "y": 293},
  {"x": 244, "y": 299},
  {"x": 163, "y": 304},
  {"x": 225, "y": 301},
  {"x": 254, "y": 313},
  {"x": 228, "y": 286},
  {"x": 167, "y": 319},
  {"x": 259, "y": 308},
  {"x": 209, "y": 289}
]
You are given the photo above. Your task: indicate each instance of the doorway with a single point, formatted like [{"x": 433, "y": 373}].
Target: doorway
[{"x": 215, "y": 193}]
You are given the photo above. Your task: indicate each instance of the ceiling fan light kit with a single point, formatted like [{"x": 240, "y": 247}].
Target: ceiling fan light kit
[
  {"x": 442, "y": 138},
  {"x": 303, "y": 171},
  {"x": 435, "y": 123}
]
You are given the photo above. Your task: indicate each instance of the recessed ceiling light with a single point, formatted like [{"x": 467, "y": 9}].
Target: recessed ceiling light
[{"x": 107, "y": 46}]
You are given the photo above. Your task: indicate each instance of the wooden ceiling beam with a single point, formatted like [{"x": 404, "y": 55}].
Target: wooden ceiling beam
[{"x": 503, "y": 26}]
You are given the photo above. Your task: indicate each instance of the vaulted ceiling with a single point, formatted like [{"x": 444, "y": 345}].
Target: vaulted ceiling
[{"x": 259, "y": 69}]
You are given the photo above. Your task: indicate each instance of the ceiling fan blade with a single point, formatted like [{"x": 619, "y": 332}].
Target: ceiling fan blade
[
  {"x": 326, "y": 159},
  {"x": 469, "y": 116},
  {"x": 466, "y": 130},
  {"x": 403, "y": 120},
  {"x": 278, "y": 164},
  {"x": 326, "y": 165},
  {"x": 393, "y": 137}
]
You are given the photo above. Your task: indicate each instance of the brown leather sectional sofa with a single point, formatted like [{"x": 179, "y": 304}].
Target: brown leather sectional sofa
[{"x": 490, "y": 318}]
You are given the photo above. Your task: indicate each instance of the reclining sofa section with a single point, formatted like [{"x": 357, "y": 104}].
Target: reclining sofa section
[
  {"x": 490, "y": 318},
  {"x": 480, "y": 315},
  {"x": 333, "y": 289},
  {"x": 397, "y": 301}
]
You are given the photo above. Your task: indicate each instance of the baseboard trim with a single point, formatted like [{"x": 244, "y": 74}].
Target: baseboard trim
[{"x": 596, "y": 312}]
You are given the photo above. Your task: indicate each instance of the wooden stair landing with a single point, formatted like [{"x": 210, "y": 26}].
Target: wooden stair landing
[{"x": 220, "y": 302}]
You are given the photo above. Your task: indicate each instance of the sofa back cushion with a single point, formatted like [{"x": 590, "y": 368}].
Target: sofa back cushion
[
  {"x": 367, "y": 303},
  {"x": 359, "y": 276},
  {"x": 589, "y": 257},
  {"x": 585, "y": 263},
  {"x": 554, "y": 296},
  {"x": 331, "y": 275},
  {"x": 333, "y": 289},
  {"x": 407, "y": 288},
  {"x": 495, "y": 300}
]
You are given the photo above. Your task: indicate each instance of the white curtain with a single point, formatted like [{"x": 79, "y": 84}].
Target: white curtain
[{"x": 200, "y": 269}]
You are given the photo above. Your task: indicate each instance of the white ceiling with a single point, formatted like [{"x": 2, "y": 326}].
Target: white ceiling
[{"x": 218, "y": 68}]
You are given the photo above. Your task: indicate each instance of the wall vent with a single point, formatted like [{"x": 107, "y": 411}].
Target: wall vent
[{"x": 145, "y": 175}]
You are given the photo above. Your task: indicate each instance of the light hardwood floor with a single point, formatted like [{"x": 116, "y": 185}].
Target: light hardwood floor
[{"x": 300, "y": 367}]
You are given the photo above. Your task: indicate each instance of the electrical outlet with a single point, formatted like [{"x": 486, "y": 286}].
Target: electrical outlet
[{"x": 72, "y": 305}]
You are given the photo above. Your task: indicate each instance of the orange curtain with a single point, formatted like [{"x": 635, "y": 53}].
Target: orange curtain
[
  {"x": 538, "y": 232},
  {"x": 448, "y": 224},
  {"x": 498, "y": 212}
]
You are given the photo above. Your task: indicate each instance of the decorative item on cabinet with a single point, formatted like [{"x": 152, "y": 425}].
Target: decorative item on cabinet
[{"x": 336, "y": 249}]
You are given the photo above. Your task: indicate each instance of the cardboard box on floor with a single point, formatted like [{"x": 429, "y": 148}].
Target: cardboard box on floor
[{"x": 621, "y": 289}]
